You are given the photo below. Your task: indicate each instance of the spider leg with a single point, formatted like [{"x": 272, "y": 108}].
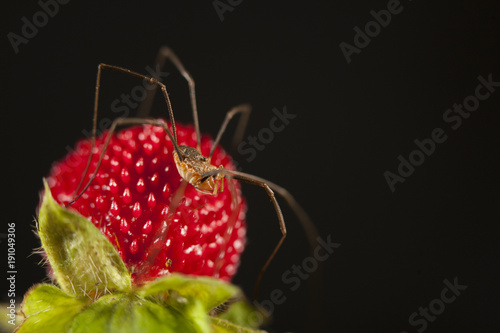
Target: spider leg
[
  {"x": 160, "y": 236},
  {"x": 163, "y": 54},
  {"x": 96, "y": 107},
  {"x": 245, "y": 110},
  {"x": 262, "y": 183},
  {"x": 117, "y": 122},
  {"x": 235, "y": 209},
  {"x": 315, "y": 281},
  {"x": 166, "y": 53}
]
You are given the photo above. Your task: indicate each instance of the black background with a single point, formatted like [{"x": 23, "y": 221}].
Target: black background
[{"x": 352, "y": 121}]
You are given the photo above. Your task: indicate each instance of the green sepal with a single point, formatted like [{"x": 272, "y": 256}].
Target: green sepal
[
  {"x": 82, "y": 258},
  {"x": 242, "y": 313},
  {"x": 223, "y": 326},
  {"x": 209, "y": 292},
  {"x": 125, "y": 312},
  {"x": 47, "y": 308}
]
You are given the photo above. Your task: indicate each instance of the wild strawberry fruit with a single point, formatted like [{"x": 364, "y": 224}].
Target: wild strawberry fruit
[{"x": 130, "y": 202}]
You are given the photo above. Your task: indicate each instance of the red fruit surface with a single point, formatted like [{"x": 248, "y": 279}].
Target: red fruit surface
[{"x": 129, "y": 201}]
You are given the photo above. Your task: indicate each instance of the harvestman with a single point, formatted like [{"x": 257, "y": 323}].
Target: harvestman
[{"x": 193, "y": 167}]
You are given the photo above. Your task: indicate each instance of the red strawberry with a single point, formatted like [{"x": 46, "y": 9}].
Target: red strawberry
[{"x": 129, "y": 201}]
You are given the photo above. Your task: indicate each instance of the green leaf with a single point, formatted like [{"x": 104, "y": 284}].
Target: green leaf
[
  {"x": 83, "y": 260},
  {"x": 49, "y": 309},
  {"x": 242, "y": 313},
  {"x": 224, "y": 326},
  {"x": 129, "y": 313},
  {"x": 209, "y": 291},
  {"x": 193, "y": 310}
]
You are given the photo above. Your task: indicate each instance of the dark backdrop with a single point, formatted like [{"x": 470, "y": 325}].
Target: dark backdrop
[{"x": 352, "y": 122}]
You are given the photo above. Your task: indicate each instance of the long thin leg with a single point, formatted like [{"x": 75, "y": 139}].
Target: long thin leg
[
  {"x": 307, "y": 224},
  {"x": 151, "y": 80},
  {"x": 230, "y": 226},
  {"x": 315, "y": 281},
  {"x": 305, "y": 220},
  {"x": 262, "y": 183},
  {"x": 167, "y": 53},
  {"x": 96, "y": 106},
  {"x": 281, "y": 220},
  {"x": 119, "y": 122},
  {"x": 147, "y": 103},
  {"x": 94, "y": 127},
  {"x": 161, "y": 234},
  {"x": 245, "y": 110}
]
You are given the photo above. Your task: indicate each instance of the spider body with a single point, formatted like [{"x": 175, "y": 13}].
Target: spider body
[{"x": 192, "y": 166}]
